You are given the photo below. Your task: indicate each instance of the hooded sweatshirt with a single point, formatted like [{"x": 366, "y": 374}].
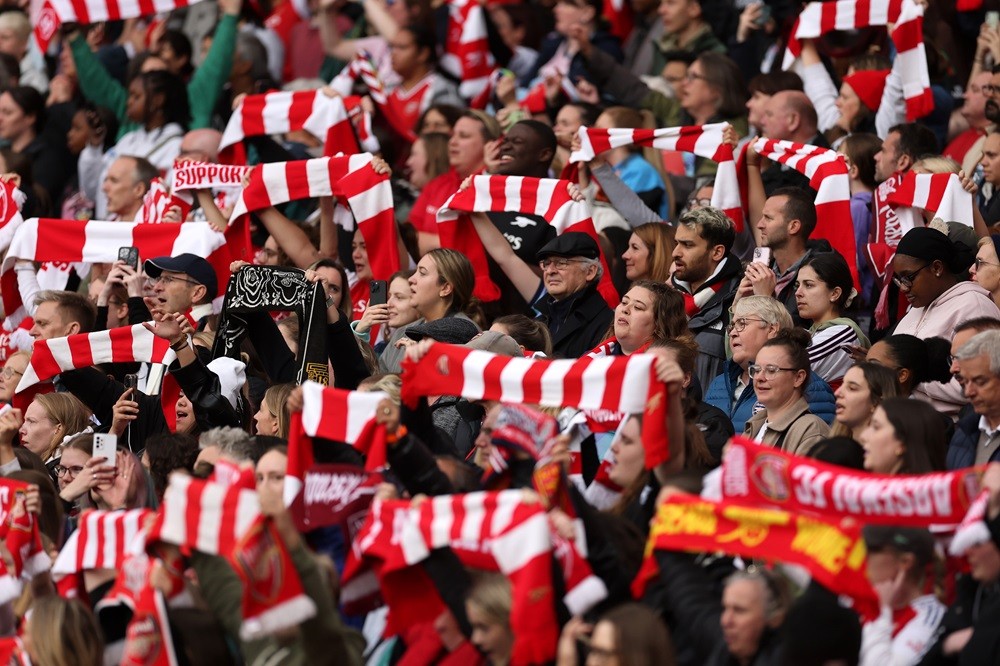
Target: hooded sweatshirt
[{"x": 964, "y": 301}]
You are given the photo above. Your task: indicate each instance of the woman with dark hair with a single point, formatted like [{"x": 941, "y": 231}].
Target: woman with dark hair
[
  {"x": 413, "y": 54},
  {"x": 648, "y": 312},
  {"x": 520, "y": 28},
  {"x": 164, "y": 454},
  {"x": 780, "y": 373},
  {"x": 864, "y": 388},
  {"x": 824, "y": 288},
  {"x": 158, "y": 104},
  {"x": 904, "y": 437},
  {"x": 530, "y": 334},
  {"x": 631, "y": 634},
  {"x": 569, "y": 119},
  {"x": 439, "y": 119},
  {"x": 914, "y": 361},
  {"x": 95, "y": 126},
  {"x": 203, "y": 88},
  {"x": 930, "y": 271},
  {"x": 713, "y": 91},
  {"x": 22, "y": 125}
]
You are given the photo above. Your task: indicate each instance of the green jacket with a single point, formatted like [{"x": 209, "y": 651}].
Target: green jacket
[
  {"x": 322, "y": 639},
  {"x": 203, "y": 89},
  {"x": 703, "y": 41}
]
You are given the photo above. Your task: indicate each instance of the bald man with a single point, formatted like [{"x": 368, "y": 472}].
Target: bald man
[
  {"x": 201, "y": 145},
  {"x": 789, "y": 116}
]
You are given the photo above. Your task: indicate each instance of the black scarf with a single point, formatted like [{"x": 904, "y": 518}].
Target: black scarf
[{"x": 255, "y": 288}]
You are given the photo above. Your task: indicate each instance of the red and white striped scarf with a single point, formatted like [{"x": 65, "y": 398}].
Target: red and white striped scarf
[
  {"x": 314, "y": 111},
  {"x": 624, "y": 384},
  {"x": 494, "y": 531},
  {"x": 189, "y": 175},
  {"x": 363, "y": 68},
  {"x": 972, "y": 531},
  {"x": 547, "y": 198},
  {"x": 896, "y": 203},
  {"x": 101, "y": 541},
  {"x": 98, "y": 242},
  {"x": 467, "y": 54},
  {"x": 22, "y": 539},
  {"x": 820, "y": 18},
  {"x": 827, "y": 173},
  {"x": 353, "y": 181},
  {"x": 702, "y": 140},
  {"x": 11, "y": 202},
  {"x": 158, "y": 200},
  {"x": 338, "y": 415},
  {"x": 226, "y": 521},
  {"x": 86, "y": 12}
]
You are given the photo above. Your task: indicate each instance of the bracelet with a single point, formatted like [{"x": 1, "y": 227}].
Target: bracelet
[{"x": 180, "y": 344}]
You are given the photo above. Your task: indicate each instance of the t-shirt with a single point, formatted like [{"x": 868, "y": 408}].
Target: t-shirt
[{"x": 423, "y": 216}]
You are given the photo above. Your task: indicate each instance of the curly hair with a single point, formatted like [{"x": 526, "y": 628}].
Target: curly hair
[{"x": 167, "y": 453}]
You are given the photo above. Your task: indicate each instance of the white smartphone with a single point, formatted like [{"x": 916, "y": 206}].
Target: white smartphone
[
  {"x": 105, "y": 446},
  {"x": 993, "y": 19},
  {"x": 762, "y": 255}
]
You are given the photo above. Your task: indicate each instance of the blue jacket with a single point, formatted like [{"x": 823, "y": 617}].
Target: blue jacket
[
  {"x": 962, "y": 449},
  {"x": 720, "y": 394}
]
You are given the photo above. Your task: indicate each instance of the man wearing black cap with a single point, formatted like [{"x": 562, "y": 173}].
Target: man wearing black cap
[
  {"x": 566, "y": 296},
  {"x": 181, "y": 284}
]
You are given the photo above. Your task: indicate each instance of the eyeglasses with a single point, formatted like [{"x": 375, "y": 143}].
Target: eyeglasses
[
  {"x": 769, "y": 371},
  {"x": 167, "y": 280},
  {"x": 740, "y": 325},
  {"x": 560, "y": 264},
  {"x": 9, "y": 372},
  {"x": 63, "y": 471},
  {"x": 906, "y": 281},
  {"x": 979, "y": 263}
]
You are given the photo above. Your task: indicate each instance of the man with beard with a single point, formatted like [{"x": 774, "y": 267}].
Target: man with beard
[
  {"x": 787, "y": 220},
  {"x": 707, "y": 275}
]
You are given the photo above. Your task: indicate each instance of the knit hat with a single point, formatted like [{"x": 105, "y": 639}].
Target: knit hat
[
  {"x": 453, "y": 330},
  {"x": 868, "y": 84}
]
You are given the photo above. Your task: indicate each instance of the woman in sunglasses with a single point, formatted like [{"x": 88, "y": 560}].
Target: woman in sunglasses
[
  {"x": 780, "y": 374},
  {"x": 930, "y": 272}
]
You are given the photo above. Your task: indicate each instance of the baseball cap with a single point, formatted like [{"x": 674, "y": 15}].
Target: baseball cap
[{"x": 192, "y": 265}]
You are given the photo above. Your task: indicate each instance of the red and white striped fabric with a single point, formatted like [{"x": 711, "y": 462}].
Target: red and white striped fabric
[
  {"x": 495, "y": 531},
  {"x": 127, "y": 344},
  {"x": 363, "y": 68},
  {"x": 339, "y": 415},
  {"x": 547, "y": 198},
  {"x": 11, "y": 202},
  {"x": 85, "y": 12},
  {"x": 702, "y": 140},
  {"x": 827, "y": 174},
  {"x": 466, "y": 48},
  {"x": 353, "y": 181},
  {"x": 158, "y": 200},
  {"x": 189, "y": 175},
  {"x": 972, "y": 531},
  {"x": 204, "y": 516},
  {"x": 101, "y": 541},
  {"x": 820, "y": 18},
  {"x": 314, "y": 111},
  {"x": 98, "y": 242},
  {"x": 625, "y": 384}
]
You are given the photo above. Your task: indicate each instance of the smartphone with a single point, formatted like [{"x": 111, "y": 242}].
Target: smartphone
[
  {"x": 379, "y": 292},
  {"x": 993, "y": 19},
  {"x": 765, "y": 14},
  {"x": 130, "y": 255},
  {"x": 762, "y": 255},
  {"x": 131, "y": 381},
  {"x": 105, "y": 446}
]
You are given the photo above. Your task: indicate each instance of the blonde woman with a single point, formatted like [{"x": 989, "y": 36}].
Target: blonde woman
[{"x": 272, "y": 417}]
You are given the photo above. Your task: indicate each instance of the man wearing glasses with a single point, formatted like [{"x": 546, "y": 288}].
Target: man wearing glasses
[{"x": 181, "y": 284}]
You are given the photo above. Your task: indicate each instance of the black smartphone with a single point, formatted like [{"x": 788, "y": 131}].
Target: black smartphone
[
  {"x": 379, "y": 292},
  {"x": 130, "y": 255},
  {"x": 131, "y": 381}
]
